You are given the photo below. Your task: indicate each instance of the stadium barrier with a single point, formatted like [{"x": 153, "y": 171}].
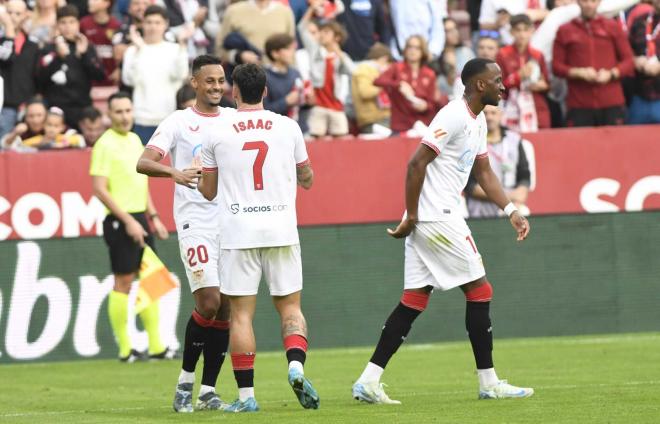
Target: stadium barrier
[
  {"x": 606, "y": 169},
  {"x": 576, "y": 274}
]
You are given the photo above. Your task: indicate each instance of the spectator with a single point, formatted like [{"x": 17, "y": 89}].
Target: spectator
[
  {"x": 411, "y": 87},
  {"x": 188, "y": 16},
  {"x": 328, "y": 64},
  {"x": 535, "y": 9},
  {"x": 372, "y": 105},
  {"x": 418, "y": 17},
  {"x": 645, "y": 40},
  {"x": 487, "y": 48},
  {"x": 286, "y": 92},
  {"x": 185, "y": 97},
  {"x": 525, "y": 76},
  {"x": 42, "y": 24},
  {"x": 35, "y": 118},
  {"x": 217, "y": 9},
  {"x": 55, "y": 135},
  {"x": 255, "y": 21},
  {"x": 508, "y": 161},
  {"x": 365, "y": 23},
  {"x": 454, "y": 56},
  {"x": 91, "y": 125},
  {"x": 156, "y": 69},
  {"x": 68, "y": 67},
  {"x": 19, "y": 57},
  {"x": 595, "y": 96},
  {"x": 99, "y": 27}
]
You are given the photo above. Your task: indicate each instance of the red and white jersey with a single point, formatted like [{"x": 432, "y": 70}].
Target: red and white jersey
[
  {"x": 181, "y": 135},
  {"x": 458, "y": 137},
  {"x": 256, "y": 153}
]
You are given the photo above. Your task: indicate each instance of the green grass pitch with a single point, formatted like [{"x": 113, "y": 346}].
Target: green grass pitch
[{"x": 589, "y": 379}]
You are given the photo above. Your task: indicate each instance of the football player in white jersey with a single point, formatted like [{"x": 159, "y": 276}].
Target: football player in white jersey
[
  {"x": 440, "y": 252},
  {"x": 261, "y": 157},
  {"x": 180, "y": 135}
]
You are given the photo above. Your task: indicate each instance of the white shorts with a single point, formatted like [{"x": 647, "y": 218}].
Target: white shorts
[
  {"x": 442, "y": 255},
  {"x": 199, "y": 253},
  {"x": 241, "y": 270}
]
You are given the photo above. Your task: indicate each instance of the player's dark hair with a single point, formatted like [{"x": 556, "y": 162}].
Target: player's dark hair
[
  {"x": 156, "y": 10},
  {"x": 118, "y": 95},
  {"x": 277, "y": 42},
  {"x": 251, "y": 81},
  {"x": 473, "y": 68},
  {"x": 520, "y": 19},
  {"x": 91, "y": 113},
  {"x": 185, "y": 94},
  {"x": 203, "y": 60},
  {"x": 67, "y": 11}
]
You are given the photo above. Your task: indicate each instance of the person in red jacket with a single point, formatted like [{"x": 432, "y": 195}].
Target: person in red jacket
[
  {"x": 593, "y": 54},
  {"x": 411, "y": 87},
  {"x": 525, "y": 73}
]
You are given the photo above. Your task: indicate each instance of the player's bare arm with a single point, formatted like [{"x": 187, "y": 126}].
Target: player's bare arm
[
  {"x": 133, "y": 227},
  {"x": 149, "y": 164},
  {"x": 491, "y": 185},
  {"x": 414, "y": 181},
  {"x": 305, "y": 175},
  {"x": 159, "y": 227},
  {"x": 208, "y": 184}
]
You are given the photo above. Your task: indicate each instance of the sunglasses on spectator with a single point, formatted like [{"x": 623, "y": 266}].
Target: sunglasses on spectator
[{"x": 489, "y": 33}]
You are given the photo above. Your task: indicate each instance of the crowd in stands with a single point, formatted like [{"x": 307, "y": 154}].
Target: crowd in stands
[{"x": 372, "y": 68}]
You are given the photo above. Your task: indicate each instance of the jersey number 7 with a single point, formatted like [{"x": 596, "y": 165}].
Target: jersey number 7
[{"x": 257, "y": 169}]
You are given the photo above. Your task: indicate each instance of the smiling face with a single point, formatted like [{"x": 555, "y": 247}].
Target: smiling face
[
  {"x": 490, "y": 85},
  {"x": 208, "y": 84}
]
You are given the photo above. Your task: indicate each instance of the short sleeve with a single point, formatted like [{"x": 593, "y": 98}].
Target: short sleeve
[
  {"x": 209, "y": 164},
  {"x": 440, "y": 131},
  {"x": 164, "y": 138},
  {"x": 300, "y": 149},
  {"x": 101, "y": 160}
]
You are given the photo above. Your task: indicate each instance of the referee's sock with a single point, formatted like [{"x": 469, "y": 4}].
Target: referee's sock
[
  {"x": 394, "y": 333},
  {"x": 215, "y": 349},
  {"x": 118, "y": 314},
  {"x": 150, "y": 317}
]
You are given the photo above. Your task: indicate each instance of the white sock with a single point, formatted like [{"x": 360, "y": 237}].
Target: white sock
[
  {"x": 245, "y": 393},
  {"x": 186, "y": 377},
  {"x": 487, "y": 377},
  {"x": 296, "y": 365},
  {"x": 371, "y": 373},
  {"x": 205, "y": 389}
]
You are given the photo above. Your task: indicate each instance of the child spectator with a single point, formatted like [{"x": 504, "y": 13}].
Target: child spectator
[
  {"x": 68, "y": 67},
  {"x": 19, "y": 57},
  {"x": 328, "y": 64},
  {"x": 286, "y": 92},
  {"x": 156, "y": 69},
  {"x": 525, "y": 75},
  {"x": 35, "y": 118},
  {"x": 372, "y": 105},
  {"x": 55, "y": 135},
  {"x": 99, "y": 27},
  {"x": 411, "y": 86},
  {"x": 91, "y": 125}
]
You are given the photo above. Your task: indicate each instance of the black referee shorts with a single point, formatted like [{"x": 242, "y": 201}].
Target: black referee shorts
[{"x": 125, "y": 254}]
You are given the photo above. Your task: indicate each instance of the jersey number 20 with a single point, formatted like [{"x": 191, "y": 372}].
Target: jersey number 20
[{"x": 257, "y": 169}]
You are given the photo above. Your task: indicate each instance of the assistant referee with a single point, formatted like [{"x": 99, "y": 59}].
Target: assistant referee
[{"x": 125, "y": 194}]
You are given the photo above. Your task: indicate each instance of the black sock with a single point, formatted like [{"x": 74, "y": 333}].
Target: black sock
[
  {"x": 395, "y": 330},
  {"x": 296, "y": 355},
  {"x": 215, "y": 350},
  {"x": 477, "y": 323},
  {"x": 244, "y": 378},
  {"x": 195, "y": 340}
]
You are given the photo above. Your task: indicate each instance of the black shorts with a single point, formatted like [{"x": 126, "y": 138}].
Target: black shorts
[{"x": 125, "y": 254}]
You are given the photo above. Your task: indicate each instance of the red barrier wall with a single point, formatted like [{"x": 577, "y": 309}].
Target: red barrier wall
[{"x": 356, "y": 181}]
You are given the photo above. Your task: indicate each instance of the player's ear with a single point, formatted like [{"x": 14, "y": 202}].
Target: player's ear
[
  {"x": 265, "y": 93},
  {"x": 235, "y": 93}
]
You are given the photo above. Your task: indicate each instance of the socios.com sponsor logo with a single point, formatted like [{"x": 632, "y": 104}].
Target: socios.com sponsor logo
[{"x": 236, "y": 208}]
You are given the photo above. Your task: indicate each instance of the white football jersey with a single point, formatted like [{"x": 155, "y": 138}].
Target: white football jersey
[
  {"x": 181, "y": 135},
  {"x": 458, "y": 137},
  {"x": 256, "y": 153}
]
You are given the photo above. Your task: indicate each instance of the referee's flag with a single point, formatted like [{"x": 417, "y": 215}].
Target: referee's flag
[{"x": 155, "y": 280}]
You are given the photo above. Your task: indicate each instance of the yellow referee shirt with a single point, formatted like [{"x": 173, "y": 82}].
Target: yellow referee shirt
[{"x": 115, "y": 156}]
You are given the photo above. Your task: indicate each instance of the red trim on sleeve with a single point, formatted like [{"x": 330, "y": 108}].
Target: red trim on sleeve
[
  {"x": 205, "y": 169},
  {"x": 431, "y": 146},
  {"x": 303, "y": 163},
  {"x": 156, "y": 148},
  {"x": 483, "y": 155}
]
